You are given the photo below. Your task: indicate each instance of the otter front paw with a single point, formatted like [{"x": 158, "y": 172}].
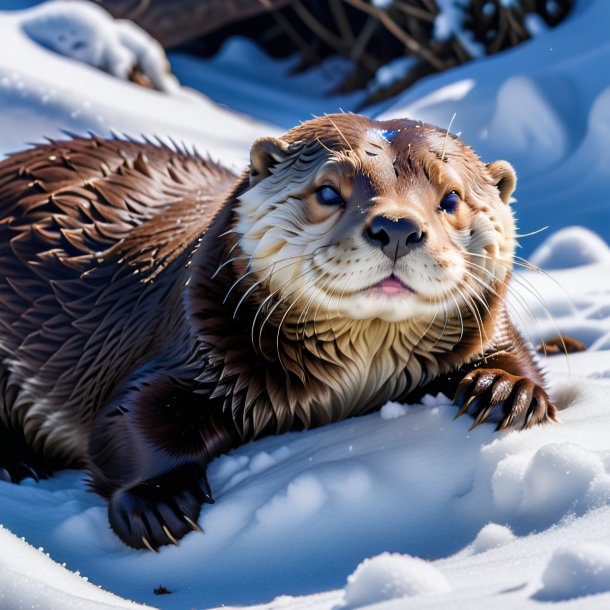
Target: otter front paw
[
  {"x": 493, "y": 395},
  {"x": 159, "y": 511},
  {"x": 17, "y": 460}
]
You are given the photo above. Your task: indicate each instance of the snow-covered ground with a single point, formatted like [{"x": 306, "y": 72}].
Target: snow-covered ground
[{"x": 405, "y": 503}]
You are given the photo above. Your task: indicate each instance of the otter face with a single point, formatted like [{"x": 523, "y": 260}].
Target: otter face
[{"x": 355, "y": 218}]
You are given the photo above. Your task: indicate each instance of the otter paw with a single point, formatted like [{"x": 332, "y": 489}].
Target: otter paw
[
  {"x": 15, "y": 471},
  {"x": 17, "y": 460},
  {"x": 493, "y": 395},
  {"x": 158, "y": 511}
]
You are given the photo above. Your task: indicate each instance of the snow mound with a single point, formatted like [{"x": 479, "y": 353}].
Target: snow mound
[
  {"x": 543, "y": 487},
  {"x": 525, "y": 119},
  {"x": 492, "y": 536},
  {"x": 86, "y": 33},
  {"x": 583, "y": 569},
  {"x": 571, "y": 247},
  {"x": 556, "y": 478},
  {"x": 392, "y": 410},
  {"x": 302, "y": 500},
  {"x": 30, "y": 579},
  {"x": 392, "y": 576}
]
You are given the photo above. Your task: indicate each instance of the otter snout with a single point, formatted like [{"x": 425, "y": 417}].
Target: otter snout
[{"x": 394, "y": 236}]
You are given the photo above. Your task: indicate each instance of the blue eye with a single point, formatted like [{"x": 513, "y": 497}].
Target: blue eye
[
  {"x": 327, "y": 195},
  {"x": 450, "y": 202}
]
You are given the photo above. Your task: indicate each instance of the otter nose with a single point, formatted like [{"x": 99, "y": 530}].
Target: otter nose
[{"x": 395, "y": 236}]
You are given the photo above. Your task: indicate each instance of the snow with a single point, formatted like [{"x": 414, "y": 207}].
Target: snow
[
  {"x": 30, "y": 579},
  {"x": 88, "y": 34},
  {"x": 406, "y": 500},
  {"x": 450, "y": 19},
  {"x": 492, "y": 536},
  {"x": 391, "y": 576},
  {"x": 570, "y": 247},
  {"x": 583, "y": 569},
  {"x": 392, "y": 410},
  {"x": 68, "y": 95},
  {"x": 244, "y": 78},
  {"x": 383, "y": 4},
  {"x": 392, "y": 72}
]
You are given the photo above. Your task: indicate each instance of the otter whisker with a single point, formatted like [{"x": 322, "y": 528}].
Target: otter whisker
[
  {"x": 281, "y": 302},
  {"x": 267, "y": 278},
  {"x": 519, "y": 235},
  {"x": 228, "y": 262},
  {"x": 251, "y": 271},
  {"x": 534, "y": 292},
  {"x": 274, "y": 308},
  {"x": 473, "y": 309},
  {"x": 511, "y": 292},
  {"x": 279, "y": 328},
  {"x": 441, "y": 302},
  {"x": 339, "y": 132},
  {"x": 447, "y": 135},
  {"x": 460, "y": 315}
]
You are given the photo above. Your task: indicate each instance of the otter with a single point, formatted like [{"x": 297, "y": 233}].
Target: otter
[{"x": 157, "y": 310}]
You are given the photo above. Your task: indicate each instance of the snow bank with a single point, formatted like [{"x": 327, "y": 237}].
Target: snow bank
[
  {"x": 86, "y": 33},
  {"x": 583, "y": 569},
  {"x": 571, "y": 247},
  {"x": 43, "y": 92},
  {"x": 242, "y": 77},
  {"x": 30, "y": 579},
  {"x": 391, "y": 576}
]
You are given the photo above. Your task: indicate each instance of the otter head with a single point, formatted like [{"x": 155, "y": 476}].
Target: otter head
[{"x": 349, "y": 218}]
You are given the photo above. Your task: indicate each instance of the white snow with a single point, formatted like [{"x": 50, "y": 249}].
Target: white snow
[
  {"x": 30, "y": 579},
  {"x": 392, "y": 410},
  {"x": 391, "y": 576},
  {"x": 571, "y": 247},
  {"x": 576, "y": 571},
  {"x": 392, "y": 72},
  {"x": 492, "y": 536},
  {"x": 467, "y": 519},
  {"x": 88, "y": 34},
  {"x": 244, "y": 78},
  {"x": 43, "y": 93},
  {"x": 383, "y": 4}
]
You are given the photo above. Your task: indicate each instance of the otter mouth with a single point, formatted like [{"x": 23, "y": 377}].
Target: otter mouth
[{"x": 390, "y": 286}]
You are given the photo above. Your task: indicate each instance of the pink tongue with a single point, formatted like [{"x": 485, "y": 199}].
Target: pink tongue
[{"x": 391, "y": 285}]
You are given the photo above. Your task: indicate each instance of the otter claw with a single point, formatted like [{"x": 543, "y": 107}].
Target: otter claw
[
  {"x": 170, "y": 536},
  {"x": 207, "y": 492},
  {"x": 464, "y": 408},
  {"x": 481, "y": 417},
  {"x": 148, "y": 545},
  {"x": 192, "y": 524}
]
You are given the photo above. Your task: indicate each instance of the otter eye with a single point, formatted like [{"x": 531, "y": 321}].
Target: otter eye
[
  {"x": 327, "y": 195},
  {"x": 450, "y": 202}
]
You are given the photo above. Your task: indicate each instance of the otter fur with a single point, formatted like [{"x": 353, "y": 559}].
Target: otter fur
[{"x": 156, "y": 310}]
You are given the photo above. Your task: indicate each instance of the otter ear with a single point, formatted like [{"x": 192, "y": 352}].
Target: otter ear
[
  {"x": 264, "y": 154},
  {"x": 504, "y": 178}
]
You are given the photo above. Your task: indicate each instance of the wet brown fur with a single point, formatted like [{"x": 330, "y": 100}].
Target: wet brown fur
[{"x": 118, "y": 335}]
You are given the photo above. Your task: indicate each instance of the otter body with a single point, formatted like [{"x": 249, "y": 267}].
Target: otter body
[{"x": 157, "y": 310}]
